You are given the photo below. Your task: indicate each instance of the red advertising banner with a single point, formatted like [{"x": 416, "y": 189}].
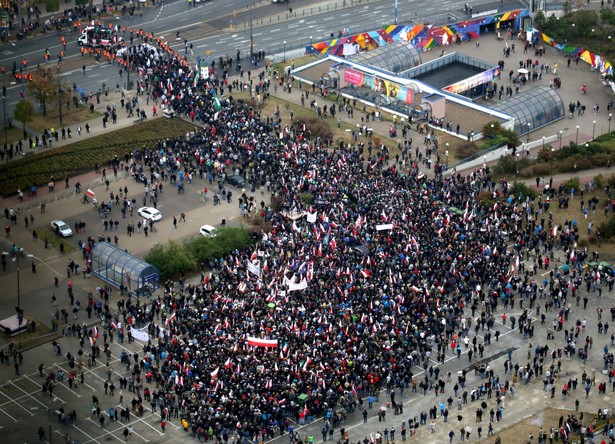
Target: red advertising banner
[{"x": 353, "y": 77}]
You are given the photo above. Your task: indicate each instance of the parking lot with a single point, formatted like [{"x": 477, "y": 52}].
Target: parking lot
[{"x": 24, "y": 407}]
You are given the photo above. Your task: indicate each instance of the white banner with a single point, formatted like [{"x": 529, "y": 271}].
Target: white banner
[
  {"x": 292, "y": 286},
  {"x": 140, "y": 334},
  {"x": 311, "y": 217},
  {"x": 384, "y": 227},
  {"x": 254, "y": 268}
]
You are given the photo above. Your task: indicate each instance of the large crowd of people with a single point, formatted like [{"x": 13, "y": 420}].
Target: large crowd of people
[
  {"x": 360, "y": 287},
  {"x": 369, "y": 272}
]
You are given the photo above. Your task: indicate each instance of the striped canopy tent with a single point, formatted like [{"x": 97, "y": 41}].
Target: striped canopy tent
[{"x": 588, "y": 57}]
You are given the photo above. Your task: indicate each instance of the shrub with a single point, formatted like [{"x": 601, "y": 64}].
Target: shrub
[
  {"x": 541, "y": 169},
  {"x": 315, "y": 127},
  {"x": 599, "y": 181},
  {"x": 572, "y": 183},
  {"x": 584, "y": 243},
  {"x": 277, "y": 202},
  {"x": 52, "y": 5},
  {"x": 545, "y": 155},
  {"x": 307, "y": 198},
  {"x": 607, "y": 228},
  {"x": 491, "y": 129},
  {"x": 496, "y": 136},
  {"x": 228, "y": 239},
  {"x": 521, "y": 191},
  {"x": 601, "y": 160},
  {"x": 171, "y": 260},
  {"x": 485, "y": 198},
  {"x": 608, "y": 15},
  {"x": 582, "y": 150},
  {"x": 467, "y": 149},
  {"x": 508, "y": 164},
  {"x": 174, "y": 257}
]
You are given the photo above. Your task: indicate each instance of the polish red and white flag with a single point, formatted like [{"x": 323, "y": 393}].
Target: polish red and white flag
[{"x": 267, "y": 343}]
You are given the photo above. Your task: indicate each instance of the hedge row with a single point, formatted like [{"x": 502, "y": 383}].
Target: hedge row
[{"x": 80, "y": 157}]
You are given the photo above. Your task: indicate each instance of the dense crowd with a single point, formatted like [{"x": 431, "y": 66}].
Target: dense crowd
[
  {"x": 370, "y": 270},
  {"x": 387, "y": 263}
]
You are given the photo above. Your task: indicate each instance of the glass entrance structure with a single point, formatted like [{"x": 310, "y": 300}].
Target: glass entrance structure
[
  {"x": 123, "y": 270},
  {"x": 533, "y": 109}
]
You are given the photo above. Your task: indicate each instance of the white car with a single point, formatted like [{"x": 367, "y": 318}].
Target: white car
[
  {"x": 61, "y": 228},
  {"x": 150, "y": 213},
  {"x": 208, "y": 231}
]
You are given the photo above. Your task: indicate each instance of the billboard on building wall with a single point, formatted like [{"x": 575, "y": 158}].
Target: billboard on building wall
[
  {"x": 353, "y": 77},
  {"x": 392, "y": 89},
  {"x": 471, "y": 82}
]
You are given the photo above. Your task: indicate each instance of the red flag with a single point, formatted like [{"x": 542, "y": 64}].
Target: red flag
[{"x": 170, "y": 319}]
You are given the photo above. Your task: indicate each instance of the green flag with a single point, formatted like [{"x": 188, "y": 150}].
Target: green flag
[{"x": 217, "y": 105}]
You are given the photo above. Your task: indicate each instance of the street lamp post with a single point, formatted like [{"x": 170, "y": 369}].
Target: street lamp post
[
  {"x": 561, "y": 133},
  {"x": 529, "y": 125},
  {"x": 517, "y": 164},
  {"x": 4, "y": 113},
  {"x": 395, "y": 13},
  {"x": 284, "y": 50},
  {"x": 446, "y": 153},
  {"x": 543, "y": 141},
  {"x": 552, "y": 158},
  {"x": 577, "y": 139},
  {"x": 128, "y": 84},
  {"x": 251, "y": 38},
  {"x": 18, "y": 308},
  {"x": 593, "y": 129},
  {"x": 60, "y": 100},
  {"x": 49, "y": 407},
  {"x": 49, "y": 422}
]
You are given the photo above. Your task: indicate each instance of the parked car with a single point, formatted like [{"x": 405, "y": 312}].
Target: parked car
[
  {"x": 61, "y": 228},
  {"x": 237, "y": 181},
  {"x": 208, "y": 231},
  {"x": 150, "y": 213}
]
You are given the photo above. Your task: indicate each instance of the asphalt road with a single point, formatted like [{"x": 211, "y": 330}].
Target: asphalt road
[{"x": 207, "y": 26}]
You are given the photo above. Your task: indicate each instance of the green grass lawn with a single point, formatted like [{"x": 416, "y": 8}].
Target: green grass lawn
[{"x": 80, "y": 157}]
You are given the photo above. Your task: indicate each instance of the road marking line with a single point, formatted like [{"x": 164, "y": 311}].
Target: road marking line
[
  {"x": 7, "y": 414},
  {"x": 32, "y": 397}
]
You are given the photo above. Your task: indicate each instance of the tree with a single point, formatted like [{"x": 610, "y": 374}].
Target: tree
[
  {"x": 23, "y": 113},
  {"x": 540, "y": 20},
  {"x": 43, "y": 88},
  {"x": 48, "y": 88},
  {"x": 81, "y": 2}
]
